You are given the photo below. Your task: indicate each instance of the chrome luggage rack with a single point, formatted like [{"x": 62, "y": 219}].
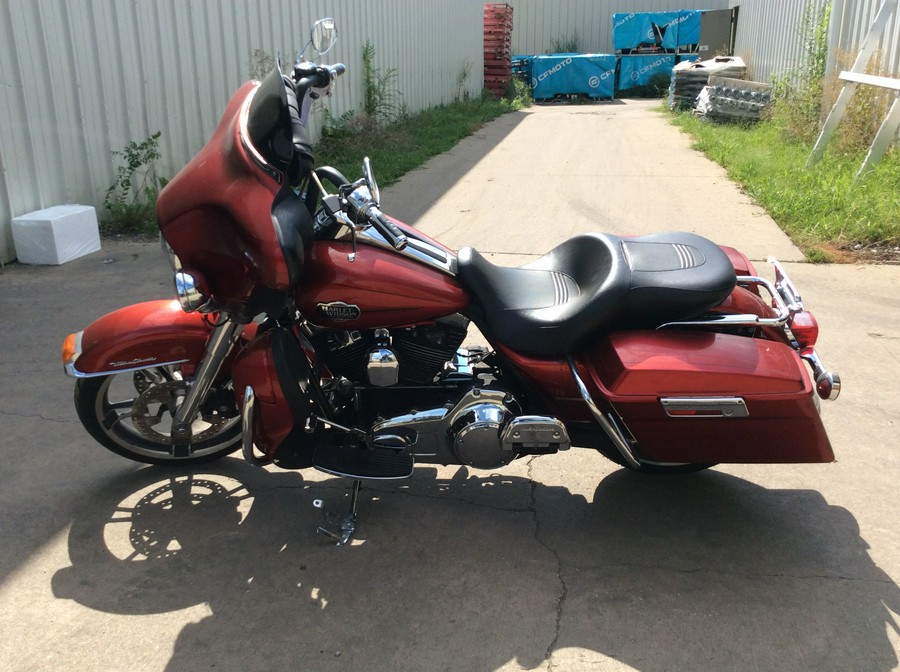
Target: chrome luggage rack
[{"x": 786, "y": 303}]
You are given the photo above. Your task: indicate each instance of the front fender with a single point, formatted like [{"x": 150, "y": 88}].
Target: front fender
[{"x": 140, "y": 336}]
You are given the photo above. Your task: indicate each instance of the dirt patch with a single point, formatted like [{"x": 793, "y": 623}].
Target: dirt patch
[{"x": 857, "y": 253}]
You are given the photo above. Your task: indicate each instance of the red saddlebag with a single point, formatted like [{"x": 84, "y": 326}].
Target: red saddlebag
[{"x": 707, "y": 397}]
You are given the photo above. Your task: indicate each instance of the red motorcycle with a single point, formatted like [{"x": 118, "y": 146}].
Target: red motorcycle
[{"x": 312, "y": 330}]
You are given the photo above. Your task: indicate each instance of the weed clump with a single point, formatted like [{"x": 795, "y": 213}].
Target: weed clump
[
  {"x": 828, "y": 213},
  {"x": 131, "y": 200},
  {"x": 798, "y": 93},
  {"x": 382, "y": 102}
]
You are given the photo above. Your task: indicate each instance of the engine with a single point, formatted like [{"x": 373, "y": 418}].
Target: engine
[
  {"x": 481, "y": 431},
  {"x": 418, "y": 353},
  {"x": 465, "y": 420}
]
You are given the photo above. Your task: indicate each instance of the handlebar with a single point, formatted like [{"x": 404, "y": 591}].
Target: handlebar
[
  {"x": 360, "y": 207},
  {"x": 388, "y": 229},
  {"x": 310, "y": 75}
]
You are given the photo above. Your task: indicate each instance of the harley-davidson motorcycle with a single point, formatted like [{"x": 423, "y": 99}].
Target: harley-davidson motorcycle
[{"x": 312, "y": 330}]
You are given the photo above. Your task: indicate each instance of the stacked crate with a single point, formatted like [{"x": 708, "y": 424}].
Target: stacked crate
[
  {"x": 726, "y": 98},
  {"x": 689, "y": 79},
  {"x": 498, "y": 24}
]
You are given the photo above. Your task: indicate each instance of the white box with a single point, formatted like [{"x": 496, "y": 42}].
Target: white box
[{"x": 56, "y": 235}]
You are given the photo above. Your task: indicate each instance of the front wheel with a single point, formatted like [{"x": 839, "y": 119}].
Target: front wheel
[{"x": 131, "y": 414}]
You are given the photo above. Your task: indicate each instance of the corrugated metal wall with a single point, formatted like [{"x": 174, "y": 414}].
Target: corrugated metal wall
[
  {"x": 768, "y": 33},
  {"x": 81, "y": 78},
  {"x": 855, "y": 19},
  {"x": 538, "y": 23},
  {"x": 770, "y": 41}
]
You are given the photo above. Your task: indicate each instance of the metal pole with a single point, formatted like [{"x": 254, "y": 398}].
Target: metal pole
[
  {"x": 867, "y": 48},
  {"x": 883, "y": 139}
]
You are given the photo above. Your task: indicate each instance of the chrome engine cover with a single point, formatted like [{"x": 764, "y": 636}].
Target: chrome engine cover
[
  {"x": 482, "y": 430},
  {"x": 467, "y": 433},
  {"x": 475, "y": 433}
]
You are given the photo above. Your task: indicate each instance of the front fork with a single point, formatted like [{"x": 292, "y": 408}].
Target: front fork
[{"x": 219, "y": 345}]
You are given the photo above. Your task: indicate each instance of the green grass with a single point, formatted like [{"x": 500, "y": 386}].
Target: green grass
[
  {"x": 399, "y": 147},
  {"x": 820, "y": 208}
]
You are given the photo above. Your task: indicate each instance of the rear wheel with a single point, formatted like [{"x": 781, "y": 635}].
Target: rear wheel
[
  {"x": 672, "y": 469},
  {"x": 131, "y": 414},
  {"x": 610, "y": 453}
]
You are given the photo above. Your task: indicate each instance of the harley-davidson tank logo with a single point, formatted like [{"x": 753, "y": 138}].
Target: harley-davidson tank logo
[{"x": 338, "y": 311}]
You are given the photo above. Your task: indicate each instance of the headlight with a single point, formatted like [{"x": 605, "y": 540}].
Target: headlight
[
  {"x": 190, "y": 288},
  {"x": 191, "y": 292}
]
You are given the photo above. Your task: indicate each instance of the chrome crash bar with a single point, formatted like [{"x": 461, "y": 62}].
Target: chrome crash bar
[{"x": 608, "y": 423}]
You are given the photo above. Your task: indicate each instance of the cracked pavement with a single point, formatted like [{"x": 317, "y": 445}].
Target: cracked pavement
[{"x": 562, "y": 562}]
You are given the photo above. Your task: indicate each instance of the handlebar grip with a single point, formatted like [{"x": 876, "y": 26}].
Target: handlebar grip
[
  {"x": 319, "y": 76},
  {"x": 391, "y": 231}
]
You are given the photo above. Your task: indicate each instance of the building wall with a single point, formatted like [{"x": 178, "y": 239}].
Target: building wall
[
  {"x": 82, "y": 78},
  {"x": 769, "y": 33}
]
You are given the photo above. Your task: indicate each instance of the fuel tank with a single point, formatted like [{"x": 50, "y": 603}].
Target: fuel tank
[{"x": 380, "y": 288}]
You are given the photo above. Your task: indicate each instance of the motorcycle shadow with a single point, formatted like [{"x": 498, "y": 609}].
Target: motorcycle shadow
[{"x": 480, "y": 572}]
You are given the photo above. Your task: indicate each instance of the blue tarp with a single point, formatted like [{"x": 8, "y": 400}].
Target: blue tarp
[
  {"x": 637, "y": 70},
  {"x": 631, "y": 30},
  {"x": 668, "y": 30},
  {"x": 590, "y": 74},
  {"x": 689, "y": 27}
]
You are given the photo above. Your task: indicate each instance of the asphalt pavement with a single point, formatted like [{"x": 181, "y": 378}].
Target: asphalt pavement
[{"x": 562, "y": 562}]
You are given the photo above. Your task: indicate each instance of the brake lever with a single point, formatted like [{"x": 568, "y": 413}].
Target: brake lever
[{"x": 334, "y": 208}]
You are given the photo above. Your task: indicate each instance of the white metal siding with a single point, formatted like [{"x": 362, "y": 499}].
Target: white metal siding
[
  {"x": 81, "y": 78},
  {"x": 855, "y": 22},
  {"x": 769, "y": 33},
  {"x": 538, "y": 23}
]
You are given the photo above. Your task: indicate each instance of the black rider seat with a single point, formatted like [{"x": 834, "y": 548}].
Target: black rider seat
[{"x": 596, "y": 283}]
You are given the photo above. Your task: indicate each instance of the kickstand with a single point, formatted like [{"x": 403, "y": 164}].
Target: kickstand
[{"x": 346, "y": 526}]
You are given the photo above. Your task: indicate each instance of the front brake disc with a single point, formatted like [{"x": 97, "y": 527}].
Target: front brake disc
[{"x": 153, "y": 412}]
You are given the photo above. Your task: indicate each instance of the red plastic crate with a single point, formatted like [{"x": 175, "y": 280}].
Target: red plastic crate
[{"x": 498, "y": 25}]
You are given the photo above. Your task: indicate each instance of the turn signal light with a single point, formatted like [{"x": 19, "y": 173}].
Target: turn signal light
[
  {"x": 805, "y": 329},
  {"x": 70, "y": 348}
]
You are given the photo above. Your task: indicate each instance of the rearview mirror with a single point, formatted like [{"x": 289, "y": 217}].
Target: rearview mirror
[
  {"x": 369, "y": 174},
  {"x": 323, "y": 35}
]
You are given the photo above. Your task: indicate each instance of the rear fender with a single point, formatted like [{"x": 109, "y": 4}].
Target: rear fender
[
  {"x": 740, "y": 261},
  {"x": 140, "y": 336}
]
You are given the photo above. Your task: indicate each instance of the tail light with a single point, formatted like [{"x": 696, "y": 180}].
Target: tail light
[{"x": 805, "y": 329}]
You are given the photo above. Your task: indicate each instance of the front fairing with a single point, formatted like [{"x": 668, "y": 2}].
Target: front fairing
[{"x": 216, "y": 213}]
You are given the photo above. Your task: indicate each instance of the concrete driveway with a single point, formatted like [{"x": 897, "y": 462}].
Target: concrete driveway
[{"x": 556, "y": 563}]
